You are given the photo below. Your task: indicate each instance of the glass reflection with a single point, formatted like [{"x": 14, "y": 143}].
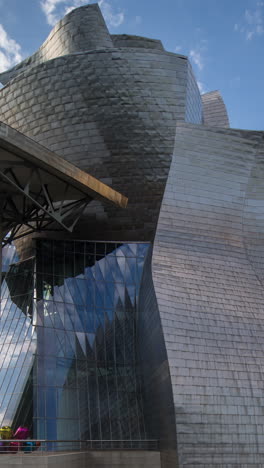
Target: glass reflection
[
  {"x": 77, "y": 338},
  {"x": 17, "y": 340}
]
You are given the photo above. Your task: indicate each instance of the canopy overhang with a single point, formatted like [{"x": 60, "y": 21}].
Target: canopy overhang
[{"x": 38, "y": 187}]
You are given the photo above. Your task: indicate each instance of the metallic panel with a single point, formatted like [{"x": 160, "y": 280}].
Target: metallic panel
[
  {"x": 111, "y": 111},
  {"x": 210, "y": 294},
  {"x": 155, "y": 372},
  {"x": 214, "y": 110}
]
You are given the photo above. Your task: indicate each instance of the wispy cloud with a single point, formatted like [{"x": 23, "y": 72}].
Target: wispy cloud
[
  {"x": 197, "y": 54},
  {"x": 111, "y": 17},
  {"x": 10, "y": 51},
  {"x": 49, "y": 9},
  {"x": 54, "y": 10},
  {"x": 73, "y": 4},
  {"x": 201, "y": 87},
  {"x": 196, "y": 57},
  {"x": 252, "y": 23}
]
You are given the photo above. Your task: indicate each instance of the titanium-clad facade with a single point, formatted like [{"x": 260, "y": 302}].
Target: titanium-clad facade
[
  {"x": 214, "y": 110},
  {"x": 108, "y": 107},
  {"x": 210, "y": 294},
  {"x": 149, "y": 325}
]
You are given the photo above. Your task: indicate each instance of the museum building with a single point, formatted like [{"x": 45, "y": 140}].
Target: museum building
[{"x": 142, "y": 321}]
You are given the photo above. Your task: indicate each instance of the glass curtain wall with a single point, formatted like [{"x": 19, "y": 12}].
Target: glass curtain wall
[
  {"x": 69, "y": 333},
  {"x": 86, "y": 384},
  {"x": 17, "y": 344},
  {"x": 68, "y": 342}
]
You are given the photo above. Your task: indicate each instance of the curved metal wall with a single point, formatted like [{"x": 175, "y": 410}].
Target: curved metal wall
[
  {"x": 155, "y": 372},
  {"x": 111, "y": 111},
  {"x": 194, "y": 105},
  {"x": 82, "y": 29},
  {"x": 214, "y": 110},
  {"x": 210, "y": 296}
]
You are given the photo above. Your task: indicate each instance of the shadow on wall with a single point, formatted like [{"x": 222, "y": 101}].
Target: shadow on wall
[{"x": 155, "y": 373}]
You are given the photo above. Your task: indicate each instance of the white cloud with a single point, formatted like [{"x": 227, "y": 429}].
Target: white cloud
[
  {"x": 178, "y": 48},
  {"x": 111, "y": 18},
  {"x": 252, "y": 23},
  {"x": 249, "y": 35},
  {"x": 253, "y": 17},
  {"x": 196, "y": 57},
  {"x": 201, "y": 87},
  {"x": 10, "y": 51},
  {"x": 74, "y": 4},
  {"x": 54, "y": 10}
]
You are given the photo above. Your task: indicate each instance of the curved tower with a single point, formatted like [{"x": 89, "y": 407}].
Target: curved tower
[{"x": 109, "y": 105}]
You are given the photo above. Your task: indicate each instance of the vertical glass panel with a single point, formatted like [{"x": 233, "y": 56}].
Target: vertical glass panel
[
  {"x": 41, "y": 402},
  {"x": 50, "y": 402},
  {"x": 18, "y": 340},
  {"x": 84, "y": 340},
  {"x": 51, "y": 429}
]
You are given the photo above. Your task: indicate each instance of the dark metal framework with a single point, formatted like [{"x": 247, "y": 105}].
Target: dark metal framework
[
  {"x": 41, "y": 191},
  {"x": 28, "y": 200}
]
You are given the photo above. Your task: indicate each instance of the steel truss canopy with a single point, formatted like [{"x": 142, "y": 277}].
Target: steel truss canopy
[{"x": 38, "y": 188}]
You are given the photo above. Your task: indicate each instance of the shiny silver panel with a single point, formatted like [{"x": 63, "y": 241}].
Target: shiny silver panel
[{"x": 207, "y": 271}]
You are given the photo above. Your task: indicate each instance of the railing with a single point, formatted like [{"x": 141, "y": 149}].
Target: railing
[{"x": 44, "y": 446}]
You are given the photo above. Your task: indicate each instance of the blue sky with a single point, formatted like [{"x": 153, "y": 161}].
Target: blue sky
[{"x": 223, "y": 38}]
